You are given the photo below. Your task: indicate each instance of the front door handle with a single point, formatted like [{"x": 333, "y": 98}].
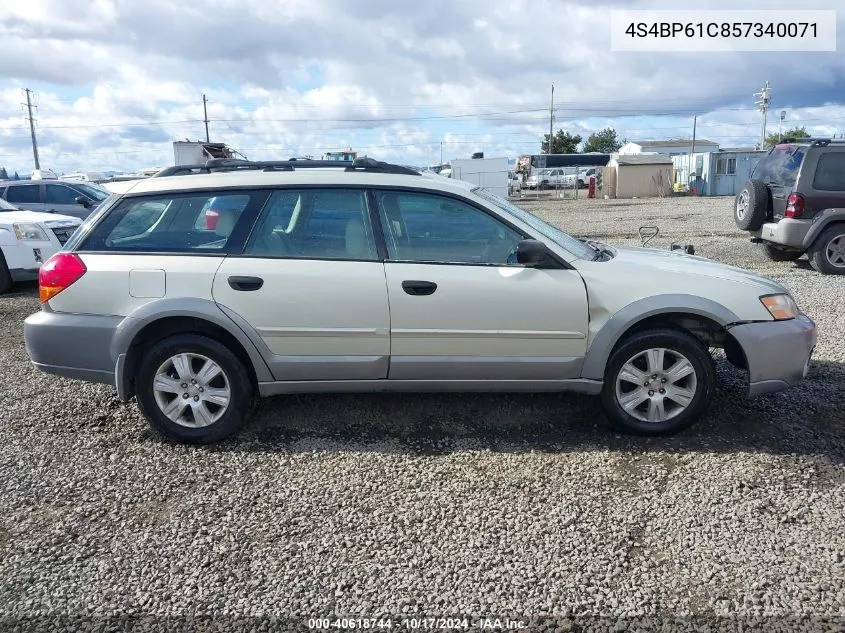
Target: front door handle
[
  {"x": 245, "y": 283},
  {"x": 419, "y": 288}
]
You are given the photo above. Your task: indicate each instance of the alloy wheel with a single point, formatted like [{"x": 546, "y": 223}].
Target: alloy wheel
[
  {"x": 192, "y": 390},
  {"x": 656, "y": 385}
]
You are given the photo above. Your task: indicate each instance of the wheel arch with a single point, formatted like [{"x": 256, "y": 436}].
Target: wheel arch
[
  {"x": 829, "y": 218},
  {"x": 703, "y": 318},
  {"x": 158, "y": 320}
]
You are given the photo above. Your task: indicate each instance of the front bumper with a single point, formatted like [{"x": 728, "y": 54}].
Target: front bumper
[{"x": 777, "y": 352}]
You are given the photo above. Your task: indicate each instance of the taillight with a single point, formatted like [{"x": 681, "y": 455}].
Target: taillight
[
  {"x": 57, "y": 273},
  {"x": 795, "y": 205},
  {"x": 211, "y": 216}
]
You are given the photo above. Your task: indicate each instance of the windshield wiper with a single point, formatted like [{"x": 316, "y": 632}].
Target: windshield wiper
[{"x": 601, "y": 250}]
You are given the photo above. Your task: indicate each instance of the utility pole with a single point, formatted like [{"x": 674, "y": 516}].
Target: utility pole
[
  {"x": 32, "y": 127},
  {"x": 762, "y": 102},
  {"x": 205, "y": 114},
  {"x": 780, "y": 124},
  {"x": 692, "y": 149},
  {"x": 441, "y": 153},
  {"x": 551, "y": 120}
]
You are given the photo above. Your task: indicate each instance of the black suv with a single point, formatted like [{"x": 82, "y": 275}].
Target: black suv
[{"x": 795, "y": 203}]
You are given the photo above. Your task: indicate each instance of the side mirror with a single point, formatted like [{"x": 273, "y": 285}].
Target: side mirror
[
  {"x": 85, "y": 202},
  {"x": 533, "y": 253}
]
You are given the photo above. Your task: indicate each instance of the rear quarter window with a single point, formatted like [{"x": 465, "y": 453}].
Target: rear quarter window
[
  {"x": 169, "y": 223},
  {"x": 830, "y": 172}
]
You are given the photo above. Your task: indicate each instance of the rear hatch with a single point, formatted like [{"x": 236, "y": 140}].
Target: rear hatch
[{"x": 779, "y": 170}]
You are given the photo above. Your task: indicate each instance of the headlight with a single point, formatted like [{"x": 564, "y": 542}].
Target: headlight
[
  {"x": 31, "y": 232},
  {"x": 781, "y": 307}
]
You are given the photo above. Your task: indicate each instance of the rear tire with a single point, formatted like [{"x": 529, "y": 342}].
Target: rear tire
[
  {"x": 5, "y": 276},
  {"x": 219, "y": 391},
  {"x": 751, "y": 205},
  {"x": 781, "y": 255},
  {"x": 646, "y": 363},
  {"x": 827, "y": 254}
]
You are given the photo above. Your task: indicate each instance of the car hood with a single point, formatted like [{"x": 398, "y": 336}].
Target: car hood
[
  {"x": 51, "y": 219},
  {"x": 689, "y": 265}
]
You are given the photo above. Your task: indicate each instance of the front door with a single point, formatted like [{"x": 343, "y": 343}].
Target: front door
[
  {"x": 462, "y": 309},
  {"x": 311, "y": 284},
  {"x": 62, "y": 199}
]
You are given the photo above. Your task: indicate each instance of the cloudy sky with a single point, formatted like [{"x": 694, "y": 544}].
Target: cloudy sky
[{"x": 116, "y": 81}]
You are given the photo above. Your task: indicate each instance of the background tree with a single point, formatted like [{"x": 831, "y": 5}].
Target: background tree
[
  {"x": 562, "y": 143},
  {"x": 796, "y": 132},
  {"x": 16, "y": 176},
  {"x": 4, "y": 175},
  {"x": 604, "y": 142}
]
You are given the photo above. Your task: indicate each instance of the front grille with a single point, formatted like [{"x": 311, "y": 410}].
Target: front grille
[{"x": 63, "y": 234}]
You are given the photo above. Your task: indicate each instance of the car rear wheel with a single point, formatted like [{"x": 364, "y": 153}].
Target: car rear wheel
[
  {"x": 658, "y": 382},
  {"x": 781, "y": 255},
  {"x": 751, "y": 205},
  {"x": 827, "y": 254},
  {"x": 193, "y": 389}
]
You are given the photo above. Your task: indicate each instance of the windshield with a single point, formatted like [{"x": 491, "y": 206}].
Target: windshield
[
  {"x": 95, "y": 193},
  {"x": 780, "y": 166},
  {"x": 573, "y": 245},
  {"x": 5, "y": 206}
]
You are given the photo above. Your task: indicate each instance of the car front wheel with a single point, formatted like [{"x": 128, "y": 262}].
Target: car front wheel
[
  {"x": 193, "y": 389},
  {"x": 658, "y": 382}
]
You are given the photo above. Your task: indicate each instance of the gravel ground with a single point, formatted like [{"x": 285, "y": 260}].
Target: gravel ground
[{"x": 522, "y": 507}]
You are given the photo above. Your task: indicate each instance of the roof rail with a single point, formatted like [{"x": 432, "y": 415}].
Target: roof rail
[
  {"x": 181, "y": 170},
  {"x": 815, "y": 142},
  {"x": 213, "y": 165}
]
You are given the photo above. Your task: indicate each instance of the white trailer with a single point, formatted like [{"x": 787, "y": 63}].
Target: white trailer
[
  {"x": 491, "y": 174},
  {"x": 196, "y": 152}
]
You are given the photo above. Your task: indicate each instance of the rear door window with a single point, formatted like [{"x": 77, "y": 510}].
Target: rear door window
[
  {"x": 830, "y": 172},
  {"x": 781, "y": 166},
  {"x": 172, "y": 223},
  {"x": 315, "y": 223}
]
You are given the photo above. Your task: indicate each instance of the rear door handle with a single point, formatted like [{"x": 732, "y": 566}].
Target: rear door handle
[
  {"x": 419, "y": 288},
  {"x": 246, "y": 283}
]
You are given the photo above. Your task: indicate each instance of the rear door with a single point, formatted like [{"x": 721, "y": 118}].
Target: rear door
[
  {"x": 779, "y": 170},
  {"x": 825, "y": 180},
  {"x": 29, "y": 196},
  {"x": 311, "y": 283}
]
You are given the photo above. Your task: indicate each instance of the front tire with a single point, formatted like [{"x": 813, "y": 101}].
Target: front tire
[
  {"x": 827, "y": 254},
  {"x": 5, "y": 276},
  {"x": 193, "y": 389},
  {"x": 658, "y": 382}
]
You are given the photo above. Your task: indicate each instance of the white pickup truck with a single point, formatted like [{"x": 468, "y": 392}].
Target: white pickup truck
[{"x": 28, "y": 238}]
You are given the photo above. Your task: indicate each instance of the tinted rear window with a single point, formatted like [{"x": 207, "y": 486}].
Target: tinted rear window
[
  {"x": 780, "y": 166},
  {"x": 830, "y": 172}
]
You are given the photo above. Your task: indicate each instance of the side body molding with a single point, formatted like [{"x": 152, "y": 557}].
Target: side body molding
[{"x": 615, "y": 327}]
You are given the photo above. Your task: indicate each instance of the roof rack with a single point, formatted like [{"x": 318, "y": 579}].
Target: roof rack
[
  {"x": 814, "y": 142},
  {"x": 359, "y": 164}
]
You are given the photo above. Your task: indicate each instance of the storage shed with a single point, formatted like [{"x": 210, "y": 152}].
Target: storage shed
[{"x": 637, "y": 176}]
